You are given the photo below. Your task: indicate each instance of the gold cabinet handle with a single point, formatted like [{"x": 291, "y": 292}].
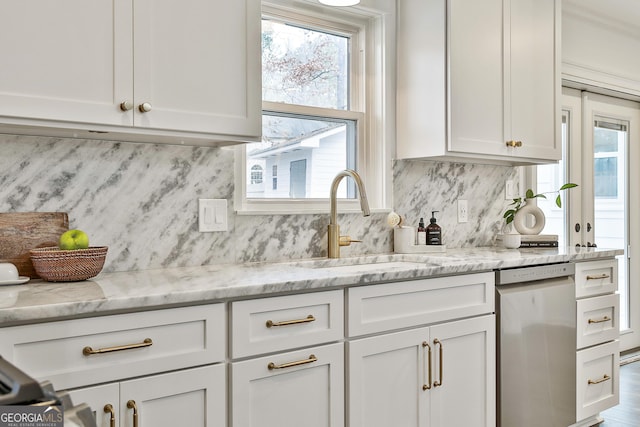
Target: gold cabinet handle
[
  {"x": 514, "y": 144},
  {"x": 308, "y": 319},
  {"x": 88, "y": 351},
  {"x": 132, "y": 405},
  {"x": 598, "y": 277},
  {"x": 427, "y": 384},
  {"x": 438, "y": 383},
  {"x": 311, "y": 359},
  {"x": 108, "y": 409},
  {"x": 145, "y": 107},
  {"x": 601, "y": 380},
  {"x": 126, "y": 105},
  {"x": 604, "y": 319}
]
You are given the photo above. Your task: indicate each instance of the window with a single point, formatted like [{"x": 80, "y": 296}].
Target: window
[
  {"x": 306, "y": 80},
  {"x": 318, "y": 108},
  {"x": 609, "y": 142},
  {"x": 274, "y": 177},
  {"x": 256, "y": 174}
]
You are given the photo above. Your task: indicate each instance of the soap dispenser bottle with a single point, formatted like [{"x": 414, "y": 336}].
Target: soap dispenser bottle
[
  {"x": 434, "y": 232},
  {"x": 421, "y": 238}
]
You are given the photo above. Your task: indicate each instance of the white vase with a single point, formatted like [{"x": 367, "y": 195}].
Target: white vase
[{"x": 520, "y": 219}]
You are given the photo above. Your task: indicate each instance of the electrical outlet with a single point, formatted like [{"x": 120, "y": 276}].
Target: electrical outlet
[
  {"x": 463, "y": 211},
  {"x": 509, "y": 190}
]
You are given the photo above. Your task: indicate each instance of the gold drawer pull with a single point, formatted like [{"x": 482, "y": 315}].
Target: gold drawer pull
[
  {"x": 438, "y": 382},
  {"x": 131, "y": 404},
  {"x": 311, "y": 359},
  {"x": 88, "y": 351},
  {"x": 514, "y": 144},
  {"x": 427, "y": 384},
  {"x": 601, "y": 380},
  {"x": 108, "y": 409},
  {"x": 604, "y": 319},
  {"x": 309, "y": 318},
  {"x": 598, "y": 277}
]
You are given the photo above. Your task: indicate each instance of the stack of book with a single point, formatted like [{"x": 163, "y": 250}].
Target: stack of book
[
  {"x": 539, "y": 241},
  {"x": 535, "y": 240}
]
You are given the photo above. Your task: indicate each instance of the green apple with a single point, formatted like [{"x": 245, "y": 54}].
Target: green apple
[{"x": 74, "y": 239}]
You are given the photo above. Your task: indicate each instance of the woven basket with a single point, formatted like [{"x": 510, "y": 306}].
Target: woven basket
[{"x": 57, "y": 265}]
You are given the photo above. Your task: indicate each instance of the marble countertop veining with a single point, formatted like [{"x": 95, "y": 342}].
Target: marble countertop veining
[{"x": 40, "y": 301}]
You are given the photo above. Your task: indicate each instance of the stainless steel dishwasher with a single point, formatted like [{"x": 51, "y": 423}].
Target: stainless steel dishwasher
[{"x": 536, "y": 339}]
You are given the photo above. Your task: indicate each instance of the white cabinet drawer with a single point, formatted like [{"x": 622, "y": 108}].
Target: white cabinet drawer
[
  {"x": 597, "y": 320},
  {"x": 273, "y": 324},
  {"x": 298, "y": 388},
  {"x": 597, "y": 377},
  {"x": 596, "y": 277},
  {"x": 418, "y": 302},
  {"x": 55, "y": 351}
]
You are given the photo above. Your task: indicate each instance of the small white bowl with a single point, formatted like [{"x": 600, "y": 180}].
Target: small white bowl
[{"x": 511, "y": 241}]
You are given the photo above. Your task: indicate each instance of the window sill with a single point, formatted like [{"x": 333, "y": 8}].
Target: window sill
[{"x": 302, "y": 207}]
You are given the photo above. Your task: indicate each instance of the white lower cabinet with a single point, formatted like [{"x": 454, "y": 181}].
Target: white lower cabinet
[
  {"x": 167, "y": 363},
  {"x": 597, "y": 379},
  {"x": 418, "y": 353},
  {"x": 297, "y": 388},
  {"x": 191, "y": 397},
  {"x": 597, "y": 345},
  {"x": 443, "y": 375}
]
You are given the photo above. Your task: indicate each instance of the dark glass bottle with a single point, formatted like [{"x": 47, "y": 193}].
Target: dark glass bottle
[
  {"x": 421, "y": 238},
  {"x": 434, "y": 232}
]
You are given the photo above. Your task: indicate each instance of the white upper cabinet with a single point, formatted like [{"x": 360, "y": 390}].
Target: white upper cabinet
[
  {"x": 137, "y": 67},
  {"x": 197, "y": 63},
  {"x": 479, "y": 80},
  {"x": 61, "y": 61}
]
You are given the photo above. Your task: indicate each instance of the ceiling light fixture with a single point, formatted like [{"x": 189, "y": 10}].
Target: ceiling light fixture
[{"x": 339, "y": 2}]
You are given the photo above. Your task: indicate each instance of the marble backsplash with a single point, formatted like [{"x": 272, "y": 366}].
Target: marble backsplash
[{"x": 141, "y": 200}]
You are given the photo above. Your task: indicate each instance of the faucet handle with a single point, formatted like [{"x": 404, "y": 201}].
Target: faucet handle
[{"x": 347, "y": 240}]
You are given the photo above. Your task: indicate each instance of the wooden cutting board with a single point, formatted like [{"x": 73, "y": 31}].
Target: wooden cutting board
[{"x": 22, "y": 231}]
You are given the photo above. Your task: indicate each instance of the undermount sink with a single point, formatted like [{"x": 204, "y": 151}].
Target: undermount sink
[{"x": 373, "y": 266}]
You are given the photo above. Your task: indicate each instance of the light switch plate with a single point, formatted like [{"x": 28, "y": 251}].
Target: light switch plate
[
  {"x": 509, "y": 190},
  {"x": 212, "y": 215}
]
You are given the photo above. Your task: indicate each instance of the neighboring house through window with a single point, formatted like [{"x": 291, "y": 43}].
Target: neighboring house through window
[{"x": 314, "y": 118}]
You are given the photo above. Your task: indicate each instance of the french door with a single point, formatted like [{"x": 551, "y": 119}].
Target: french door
[{"x": 601, "y": 146}]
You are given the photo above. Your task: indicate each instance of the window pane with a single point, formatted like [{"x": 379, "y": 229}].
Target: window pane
[
  {"x": 605, "y": 181},
  {"x": 605, "y": 140},
  {"x": 306, "y": 154},
  {"x": 304, "y": 67}
]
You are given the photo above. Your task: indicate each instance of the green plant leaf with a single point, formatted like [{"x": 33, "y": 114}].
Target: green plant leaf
[
  {"x": 519, "y": 202},
  {"x": 568, "y": 185}
]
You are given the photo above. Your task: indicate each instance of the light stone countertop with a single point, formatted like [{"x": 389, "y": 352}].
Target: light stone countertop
[{"x": 40, "y": 301}]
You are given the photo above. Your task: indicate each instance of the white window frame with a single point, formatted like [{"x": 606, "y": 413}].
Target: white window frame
[{"x": 374, "y": 95}]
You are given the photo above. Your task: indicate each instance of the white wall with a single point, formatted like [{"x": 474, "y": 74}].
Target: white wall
[{"x": 601, "y": 44}]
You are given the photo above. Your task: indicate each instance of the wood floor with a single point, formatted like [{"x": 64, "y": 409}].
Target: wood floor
[{"x": 627, "y": 413}]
